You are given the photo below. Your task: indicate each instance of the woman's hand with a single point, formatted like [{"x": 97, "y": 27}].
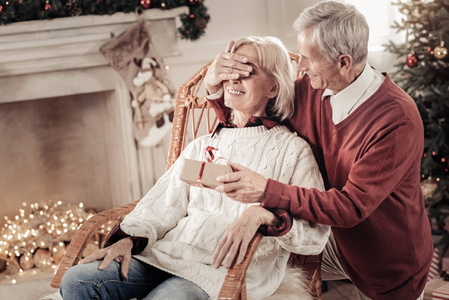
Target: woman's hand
[
  {"x": 120, "y": 252},
  {"x": 237, "y": 237},
  {"x": 226, "y": 66},
  {"x": 243, "y": 185}
]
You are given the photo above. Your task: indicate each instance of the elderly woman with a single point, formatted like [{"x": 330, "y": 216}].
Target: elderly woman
[{"x": 164, "y": 249}]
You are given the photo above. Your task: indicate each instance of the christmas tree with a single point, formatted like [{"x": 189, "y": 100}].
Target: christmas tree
[{"x": 423, "y": 72}]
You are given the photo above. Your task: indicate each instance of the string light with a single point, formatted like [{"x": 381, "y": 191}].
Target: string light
[{"x": 47, "y": 227}]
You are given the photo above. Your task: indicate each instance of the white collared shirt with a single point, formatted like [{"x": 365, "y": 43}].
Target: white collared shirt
[{"x": 350, "y": 98}]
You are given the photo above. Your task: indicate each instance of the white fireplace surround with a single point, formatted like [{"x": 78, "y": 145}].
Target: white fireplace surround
[{"x": 54, "y": 62}]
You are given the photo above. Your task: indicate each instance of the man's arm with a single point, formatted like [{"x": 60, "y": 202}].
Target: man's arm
[{"x": 372, "y": 179}]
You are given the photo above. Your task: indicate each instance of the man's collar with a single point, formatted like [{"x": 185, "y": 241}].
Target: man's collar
[
  {"x": 348, "y": 96},
  {"x": 356, "y": 89}
]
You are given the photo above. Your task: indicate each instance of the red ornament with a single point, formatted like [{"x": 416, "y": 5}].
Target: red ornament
[
  {"x": 47, "y": 5},
  {"x": 145, "y": 3},
  {"x": 1, "y": 8},
  {"x": 195, "y": 2},
  {"x": 411, "y": 60}
]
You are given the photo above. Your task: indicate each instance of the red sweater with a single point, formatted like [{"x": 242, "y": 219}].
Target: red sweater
[{"x": 371, "y": 165}]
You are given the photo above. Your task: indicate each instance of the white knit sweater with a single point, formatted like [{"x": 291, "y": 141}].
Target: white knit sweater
[{"x": 184, "y": 224}]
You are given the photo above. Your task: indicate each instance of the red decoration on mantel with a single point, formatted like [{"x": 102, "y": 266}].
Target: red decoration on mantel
[
  {"x": 145, "y": 3},
  {"x": 411, "y": 60},
  {"x": 47, "y": 5}
]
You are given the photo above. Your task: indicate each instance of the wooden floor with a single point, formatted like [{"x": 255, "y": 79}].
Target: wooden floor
[{"x": 340, "y": 290}]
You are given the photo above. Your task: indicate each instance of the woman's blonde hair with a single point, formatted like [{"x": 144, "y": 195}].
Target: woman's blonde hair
[{"x": 275, "y": 60}]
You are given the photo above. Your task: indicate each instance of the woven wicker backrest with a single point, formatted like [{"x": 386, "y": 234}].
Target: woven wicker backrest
[{"x": 187, "y": 103}]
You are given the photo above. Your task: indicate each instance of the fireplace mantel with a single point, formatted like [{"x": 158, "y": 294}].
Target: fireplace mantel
[
  {"x": 53, "y": 66},
  {"x": 64, "y": 52}
]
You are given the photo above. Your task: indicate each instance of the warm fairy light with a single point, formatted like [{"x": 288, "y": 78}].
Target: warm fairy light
[{"x": 44, "y": 227}]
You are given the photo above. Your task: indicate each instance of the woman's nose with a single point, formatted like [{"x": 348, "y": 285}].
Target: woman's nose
[{"x": 235, "y": 81}]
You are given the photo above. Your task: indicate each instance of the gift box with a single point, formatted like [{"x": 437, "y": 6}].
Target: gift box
[
  {"x": 202, "y": 173},
  {"x": 436, "y": 289}
]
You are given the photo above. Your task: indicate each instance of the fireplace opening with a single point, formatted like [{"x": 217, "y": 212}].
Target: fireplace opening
[{"x": 60, "y": 149}]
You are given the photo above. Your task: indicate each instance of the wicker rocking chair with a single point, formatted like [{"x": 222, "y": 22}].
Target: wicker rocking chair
[{"x": 234, "y": 287}]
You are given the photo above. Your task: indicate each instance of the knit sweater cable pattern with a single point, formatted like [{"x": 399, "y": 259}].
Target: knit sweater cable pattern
[{"x": 184, "y": 224}]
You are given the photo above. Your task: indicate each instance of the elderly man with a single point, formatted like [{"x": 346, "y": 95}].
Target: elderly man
[{"x": 367, "y": 137}]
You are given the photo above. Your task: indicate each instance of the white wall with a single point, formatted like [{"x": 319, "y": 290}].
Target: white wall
[{"x": 232, "y": 19}]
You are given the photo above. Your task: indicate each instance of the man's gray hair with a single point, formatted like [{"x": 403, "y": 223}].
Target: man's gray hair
[
  {"x": 275, "y": 60},
  {"x": 337, "y": 28}
]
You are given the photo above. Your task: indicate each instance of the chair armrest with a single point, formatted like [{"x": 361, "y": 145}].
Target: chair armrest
[
  {"x": 311, "y": 265},
  {"x": 234, "y": 286},
  {"x": 82, "y": 236}
]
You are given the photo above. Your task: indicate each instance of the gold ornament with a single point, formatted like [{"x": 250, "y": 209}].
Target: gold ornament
[
  {"x": 12, "y": 266},
  {"x": 57, "y": 252},
  {"x": 26, "y": 261},
  {"x": 440, "y": 52},
  {"x": 428, "y": 187},
  {"x": 42, "y": 258}
]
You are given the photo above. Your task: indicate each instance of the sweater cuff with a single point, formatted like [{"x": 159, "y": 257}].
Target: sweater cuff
[
  {"x": 279, "y": 230},
  {"x": 216, "y": 95},
  {"x": 116, "y": 234},
  {"x": 273, "y": 196}
]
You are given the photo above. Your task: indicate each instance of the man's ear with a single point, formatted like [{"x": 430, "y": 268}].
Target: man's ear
[{"x": 345, "y": 63}]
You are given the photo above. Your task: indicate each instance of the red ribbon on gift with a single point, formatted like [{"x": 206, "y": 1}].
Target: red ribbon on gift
[
  {"x": 200, "y": 175},
  {"x": 210, "y": 157}
]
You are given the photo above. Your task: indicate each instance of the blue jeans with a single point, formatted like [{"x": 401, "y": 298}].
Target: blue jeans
[{"x": 85, "y": 281}]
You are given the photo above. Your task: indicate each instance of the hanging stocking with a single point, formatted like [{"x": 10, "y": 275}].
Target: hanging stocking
[{"x": 133, "y": 56}]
